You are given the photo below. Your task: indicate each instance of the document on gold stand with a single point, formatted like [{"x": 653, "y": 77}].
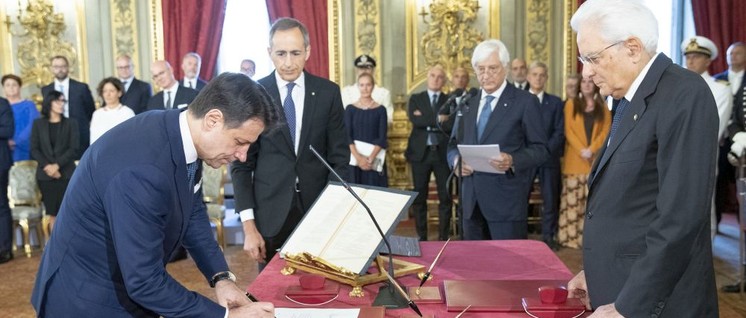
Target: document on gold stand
[{"x": 338, "y": 230}]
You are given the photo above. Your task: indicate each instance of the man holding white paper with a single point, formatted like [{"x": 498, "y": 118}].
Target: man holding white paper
[{"x": 496, "y": 204}]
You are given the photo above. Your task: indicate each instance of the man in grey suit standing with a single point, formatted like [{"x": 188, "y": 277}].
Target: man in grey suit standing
[
  {"x": 495, "y": 203},
  {"x": 646, "y": 242},
  {"x": 281, "y": 177}
]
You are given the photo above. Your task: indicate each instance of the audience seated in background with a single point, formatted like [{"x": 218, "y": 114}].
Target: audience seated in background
[
  {"x": 365, "y": 120},
  {"x": 54, "y": 145},
  {"x": 136, "y": 92},
  {"x": 79, "y": 101},
  {"x": 191, "y": 64},
  {"x": 587, "y": 122},
  {"x": 351, "y": 93},
  {"x": 173, "y": 95},
  {"x": 24, "y": 114},
  {"x": 112, "y": 112}
]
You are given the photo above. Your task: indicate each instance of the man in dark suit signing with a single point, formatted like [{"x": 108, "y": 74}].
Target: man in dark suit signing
[
  {"x": 426, "y": 151},
  {"x": 646, "y": 239},
  {"x": 79, "y": 104},
  {"x": 136, "y": 196},
  {"x": 7, "y": 128},
  {"x": 281, "y": 177},
  {"x": 172, "y": 95},
  {"x": 495, "y": 202},
  {"x": 136, "y": 92},
  {"x": 549, "y": 173}
]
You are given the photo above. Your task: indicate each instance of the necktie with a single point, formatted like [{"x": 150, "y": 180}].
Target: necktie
[
  {"x": 192, "y": 171},
  {"x": 289, "y": 106},
  {"x": 618, "y": 117},
  {"x": 484, "y": 116},
  {"x": 124, "y": 84},
  {"x": 189, "y": 84},
  {"x": 432, "y": 140},
  {"x": 168, "y": 100}
]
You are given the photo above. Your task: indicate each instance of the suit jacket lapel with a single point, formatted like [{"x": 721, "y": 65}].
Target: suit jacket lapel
[
  {"x": 470, "y": 120},
  {"x": 635, "y": 110},
  {"x": 309, "y": 108},
  {"x": 180, "y": 178}
]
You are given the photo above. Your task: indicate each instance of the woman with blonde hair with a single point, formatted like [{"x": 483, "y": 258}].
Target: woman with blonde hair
[{"x": 587, "y": 122}]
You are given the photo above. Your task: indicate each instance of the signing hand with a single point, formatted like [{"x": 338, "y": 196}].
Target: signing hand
[
  {"x": 253, "y": 243},
  {"x": 578, "y": 289},
  {"x": 229, "y": 295}
]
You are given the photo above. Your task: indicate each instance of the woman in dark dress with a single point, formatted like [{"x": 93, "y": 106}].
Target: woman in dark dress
[
  {"x": 54, "y": 145},
  {"x": 366, "y": 121}
]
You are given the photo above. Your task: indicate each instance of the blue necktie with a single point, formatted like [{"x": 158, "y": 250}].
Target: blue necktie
[
  {"x": 191, "y": 171},
  {"x": 618, "y": 117},
  {"x": 484, "y": 116},
  {"x": 289, "y": 106},
  {"x": 432, "y": 139}
]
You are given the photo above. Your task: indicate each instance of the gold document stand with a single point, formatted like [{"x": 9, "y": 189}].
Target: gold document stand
[{"x": 312, "y": 264}]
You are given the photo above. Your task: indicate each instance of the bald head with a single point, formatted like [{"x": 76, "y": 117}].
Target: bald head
[{"x": 163, "y": 74}]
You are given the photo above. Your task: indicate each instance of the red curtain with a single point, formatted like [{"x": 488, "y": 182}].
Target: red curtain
[
  {"x": 722, "y": 22},
  {"x": 193, "y": 26},
  {"x": 312, "y": 13}
]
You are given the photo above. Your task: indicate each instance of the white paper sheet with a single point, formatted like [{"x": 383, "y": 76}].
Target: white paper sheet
[
  {"x": 316, "y": 313},
  {"x": 479, "y": 156}
]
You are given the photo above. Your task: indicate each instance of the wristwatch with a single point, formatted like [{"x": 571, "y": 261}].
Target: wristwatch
[{"x": 221, "y": 276}]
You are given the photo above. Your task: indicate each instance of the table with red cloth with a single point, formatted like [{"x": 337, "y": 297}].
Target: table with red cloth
[{"x": 462, "y": 260}]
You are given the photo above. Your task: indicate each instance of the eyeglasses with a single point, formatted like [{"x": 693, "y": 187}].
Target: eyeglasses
[
  {"x": 593, "y": 57},
  {"x": 491, "y": 70}
]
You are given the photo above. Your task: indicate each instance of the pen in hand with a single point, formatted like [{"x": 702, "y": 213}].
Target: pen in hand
[{"x": 252, "y": 298}]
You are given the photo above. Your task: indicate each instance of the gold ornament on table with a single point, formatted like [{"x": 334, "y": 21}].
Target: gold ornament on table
[
  {"x": 40, "y": 35},
  {"x": 450, "y": 37}
]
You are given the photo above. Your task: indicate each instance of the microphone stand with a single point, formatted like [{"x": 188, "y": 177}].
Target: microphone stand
[
  {"x": 390, "y": 299},
  {"x": 458, "y": 136}
]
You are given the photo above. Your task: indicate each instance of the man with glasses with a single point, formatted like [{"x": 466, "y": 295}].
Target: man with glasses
[
  {"x": 495, "y": 203},
  {"x": 173, "y": 95},
  {"x": 646, "y": 235},
  {"x": 136, "y": 92},
  {"x": 79, "y": 104},
  {"x": 281, "y": 177}
]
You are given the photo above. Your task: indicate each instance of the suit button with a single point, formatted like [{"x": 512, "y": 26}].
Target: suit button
[
  {"x": 589, "y": 215},
  {"x": 653, "y": 316},
  {"x": 661, "y": 304},
  {"x": 658, "y": 310}
]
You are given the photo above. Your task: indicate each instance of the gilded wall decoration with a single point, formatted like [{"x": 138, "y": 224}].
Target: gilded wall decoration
[
  {"x": 124, "y": 29},
  {"x": 445, "y": 32},
  {"x": 570, "y": 61},
  {"x": 450, "y": 37},
  {"x": 368, "y": 31},
  {"x": 537, "y": 34},
  {"x": 335, "y": 35},
  {"x": 39, "y": 32},
  {"x": 156, "y": 30}
]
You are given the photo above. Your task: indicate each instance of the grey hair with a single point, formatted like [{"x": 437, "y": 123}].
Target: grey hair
[
  {"x": 618, "y": 20},
  {"x": 194, "y": 55},
  {"x": 486, "y": 48},
  {"x": 283, "y": 24},
  {"x": 539, "y": 64}
]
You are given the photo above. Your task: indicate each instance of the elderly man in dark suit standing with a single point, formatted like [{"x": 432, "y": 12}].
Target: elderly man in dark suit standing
[
  {"x": 549, "y": 173},
  {"x": 281, "y": 177},
  {"x": 646, "y": 243},
  {"x": 136, "y": 92},
  {"x": 7, "y": 128},
  {"x": 191, "y": 64},
  {"x": 136, "y": 196},
  {"x": 79, "y": 104},
  {"x": 495, "y": 202}
]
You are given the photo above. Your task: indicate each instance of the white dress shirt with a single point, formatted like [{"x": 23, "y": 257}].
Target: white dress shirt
[{"x": 64, "y": 88}]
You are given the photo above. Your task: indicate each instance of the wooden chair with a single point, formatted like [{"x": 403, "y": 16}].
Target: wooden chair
[
  {"x": 25, "y": 203},
  {"x": 213, "y": 194}
]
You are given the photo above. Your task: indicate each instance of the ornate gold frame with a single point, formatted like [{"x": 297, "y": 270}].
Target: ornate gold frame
[
  {"x": 156, "y": 30},
  {"x": 335, "y": 36},
  {"x": 367, "y": 14},
  {"x": 570, "y": 65}
]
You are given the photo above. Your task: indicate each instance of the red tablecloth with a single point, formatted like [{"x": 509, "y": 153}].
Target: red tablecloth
[{"x": 489, "y": 260}]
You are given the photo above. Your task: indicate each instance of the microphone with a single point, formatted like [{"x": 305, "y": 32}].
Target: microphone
[
  {"x": 472, "y": 92},
  {"x": 392, "y": 302},
  {"x": 450, "y": 101}
]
